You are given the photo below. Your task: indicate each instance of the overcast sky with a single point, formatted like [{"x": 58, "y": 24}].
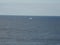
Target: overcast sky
[{"x": 30, "y": 7}]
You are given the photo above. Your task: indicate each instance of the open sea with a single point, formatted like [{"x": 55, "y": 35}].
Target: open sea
[{"x": 29, "y": 30}]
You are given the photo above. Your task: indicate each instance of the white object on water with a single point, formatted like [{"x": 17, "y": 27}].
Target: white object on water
[{"x": 30, "y": 18}]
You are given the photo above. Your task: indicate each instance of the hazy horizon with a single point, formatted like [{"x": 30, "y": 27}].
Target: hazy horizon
[{"x": 30, "y": 7}]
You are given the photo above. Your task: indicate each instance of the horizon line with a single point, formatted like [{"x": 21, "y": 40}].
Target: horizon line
[{"x": 28, "y": 15}]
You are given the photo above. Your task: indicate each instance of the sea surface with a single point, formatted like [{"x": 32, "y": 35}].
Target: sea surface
[{"x": 29, "y": 30}]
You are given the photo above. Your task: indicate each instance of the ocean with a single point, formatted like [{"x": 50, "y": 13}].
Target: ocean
[{"x": 29, "y": 30}]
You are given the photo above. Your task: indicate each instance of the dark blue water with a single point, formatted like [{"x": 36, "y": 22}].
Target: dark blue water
[{"x": 21, "y": 30}]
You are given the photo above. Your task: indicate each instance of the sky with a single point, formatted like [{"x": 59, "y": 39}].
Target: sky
[{"x": 30, "y": 7}]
